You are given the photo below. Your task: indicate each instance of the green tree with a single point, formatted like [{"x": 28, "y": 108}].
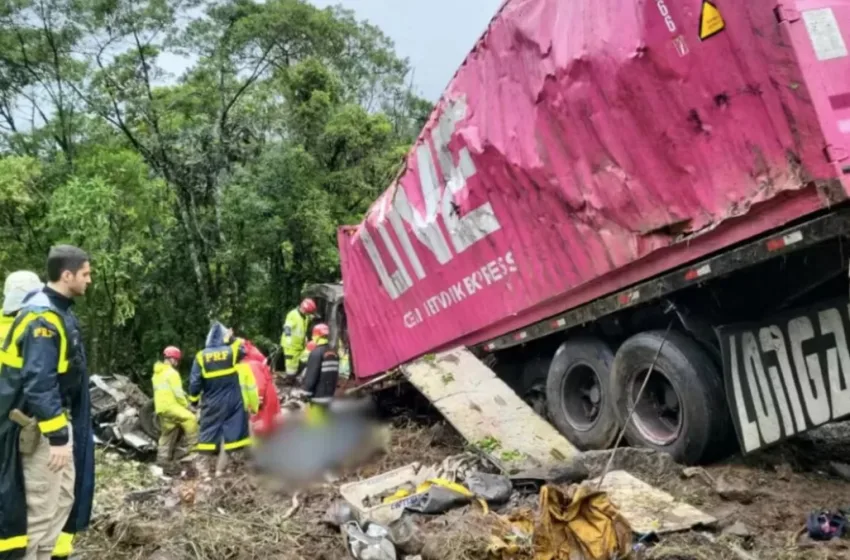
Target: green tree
[{"x": 213, "y": 194}]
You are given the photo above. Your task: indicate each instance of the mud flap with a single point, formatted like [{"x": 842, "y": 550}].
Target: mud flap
[{"x": 487, "y": 413}]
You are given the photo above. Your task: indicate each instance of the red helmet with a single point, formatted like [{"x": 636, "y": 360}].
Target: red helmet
[
  {"x": 308, "y": 306},
  {"x": 172, "y": 352},
  {"x": 321, "y": 330}
]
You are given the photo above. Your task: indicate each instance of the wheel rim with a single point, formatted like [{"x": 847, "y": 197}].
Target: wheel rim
[
  {"x": 582, "y": 397},
  {"x": 658, "y": 415}
]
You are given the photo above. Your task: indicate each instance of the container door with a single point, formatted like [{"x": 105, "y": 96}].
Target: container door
[{"x": 820, "y": 30}]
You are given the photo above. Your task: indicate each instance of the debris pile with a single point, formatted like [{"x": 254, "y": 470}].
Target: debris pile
[
  {"x": 432, "y": 495},
  {"x": 123, "y": 415},
  {"x": 141, "y": 514}
]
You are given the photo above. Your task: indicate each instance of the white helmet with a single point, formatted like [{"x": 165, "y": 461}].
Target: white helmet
[{"x": 18, "y": 285}]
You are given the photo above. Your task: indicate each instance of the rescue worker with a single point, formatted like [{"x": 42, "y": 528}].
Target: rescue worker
[
  {"x": 269, "y": 404},
  {"x": 47, "y": 462},
  {"x": 172, "y": 408},
  {"x": 225, "y": 392},
  {"x": 17, "y": 287},
  {"x": 322, "y": 372},
  {"x": 311, "y": 345},
  {"x": 294, "y": 337}
]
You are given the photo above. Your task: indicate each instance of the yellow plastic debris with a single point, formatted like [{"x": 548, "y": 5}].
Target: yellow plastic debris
[
  {"x": 579, "y": 524},
  {"x": 396, "y": 496}
]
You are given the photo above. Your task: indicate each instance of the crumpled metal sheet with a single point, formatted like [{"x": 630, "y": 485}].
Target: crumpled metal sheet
[
  {"x": 116, "y": 407},
  {"x": 581, "y": 147}
]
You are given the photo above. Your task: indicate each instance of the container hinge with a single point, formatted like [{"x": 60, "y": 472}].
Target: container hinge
[
  {"x": 834, "y": 154},
  {"x": 786, "y": 14}
]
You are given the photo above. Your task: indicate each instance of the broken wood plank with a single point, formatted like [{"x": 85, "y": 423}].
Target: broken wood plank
[
  {"x": 648, "y": 509},
  {"x": 487, "y": 412}
]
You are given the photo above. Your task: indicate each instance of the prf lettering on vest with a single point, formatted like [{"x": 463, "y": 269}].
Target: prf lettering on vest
[
  {"x": 219, "y": 356},
  {"x": 790, "y": 376},
  {"x": 438, "y": 193}
]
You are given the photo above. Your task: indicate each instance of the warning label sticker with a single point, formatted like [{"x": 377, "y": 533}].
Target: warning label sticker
[
  {"x": 710, "y": 21},
  {"x": 823, "y": 29}
]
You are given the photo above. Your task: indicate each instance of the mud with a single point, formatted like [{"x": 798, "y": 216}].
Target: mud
[{"x": 139, "y": 515}]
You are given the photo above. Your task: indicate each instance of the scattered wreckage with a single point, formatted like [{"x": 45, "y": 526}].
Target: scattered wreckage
[
  {"x": 124, "y": 418},
  {"x": 123, "y": 415}
]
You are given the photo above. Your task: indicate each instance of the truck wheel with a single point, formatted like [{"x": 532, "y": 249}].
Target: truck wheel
[
  {"x": 682, "y": 410},
  {"x": 532, "y": 386},
  {"x": 578, "y": 393}
]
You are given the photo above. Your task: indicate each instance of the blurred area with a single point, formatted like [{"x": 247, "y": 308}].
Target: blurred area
[{"x": 309, "y": 443}]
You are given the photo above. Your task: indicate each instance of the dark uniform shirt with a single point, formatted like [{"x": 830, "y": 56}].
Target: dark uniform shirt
[
  {"x": 322, "y": 373},
  {"x": 43, "y": 387}
]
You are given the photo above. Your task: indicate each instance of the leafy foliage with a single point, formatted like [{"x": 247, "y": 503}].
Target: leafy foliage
[{"x": 213, "y": 194}]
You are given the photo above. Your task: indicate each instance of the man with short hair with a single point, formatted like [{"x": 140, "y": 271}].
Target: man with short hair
[{"x": 44, "y": 385}]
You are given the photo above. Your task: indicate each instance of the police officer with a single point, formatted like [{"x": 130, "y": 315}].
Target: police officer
[
  {"x": 220, "y": 386},
  {"x": 48, "y": 463},
  {"x": 294, "y": 337}
]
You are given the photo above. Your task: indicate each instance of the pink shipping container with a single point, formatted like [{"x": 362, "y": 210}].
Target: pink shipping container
[{"x": 587, "y": 145}]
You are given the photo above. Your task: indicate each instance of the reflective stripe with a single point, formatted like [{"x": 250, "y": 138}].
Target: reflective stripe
[
  {"x": 220, "y": 373},
  {"x": 9, "y": 355},
  {"x": 234, "y": 348},
  {"x": 322, "y": 400},
  {"x": 162, "y": 387},
  {"x": 13, "y": 543},
  {"x": 237, "y": 444},
  {"x": 227, "y": 446},
  {"x": 55, "y": 423},
  {"x": 7, "y": 359},
  {"x": 64, "y": 545}
]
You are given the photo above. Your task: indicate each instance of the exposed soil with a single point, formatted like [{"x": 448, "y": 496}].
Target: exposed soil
[
  {"x": 785, "y": 484},
  {"x": 237, "y": 517},
  {"x": 241, "y": 517}
]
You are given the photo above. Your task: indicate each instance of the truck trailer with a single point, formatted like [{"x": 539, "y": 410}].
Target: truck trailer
[{"x": 607, "y": 180}]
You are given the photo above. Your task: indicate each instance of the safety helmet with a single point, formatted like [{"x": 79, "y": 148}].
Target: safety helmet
[
  {"x": 308, "y": 306},
  {"x": 321, "y": 330},
  {"x": 172, "y": 352}
]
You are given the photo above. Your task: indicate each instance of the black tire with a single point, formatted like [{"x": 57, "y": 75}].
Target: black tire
[
  {"x": 532, "y": 384},
  {"x": 701, "y": 422},
  {"x": 586, "y": 417},
  {"x": 149, "y": 421}
]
